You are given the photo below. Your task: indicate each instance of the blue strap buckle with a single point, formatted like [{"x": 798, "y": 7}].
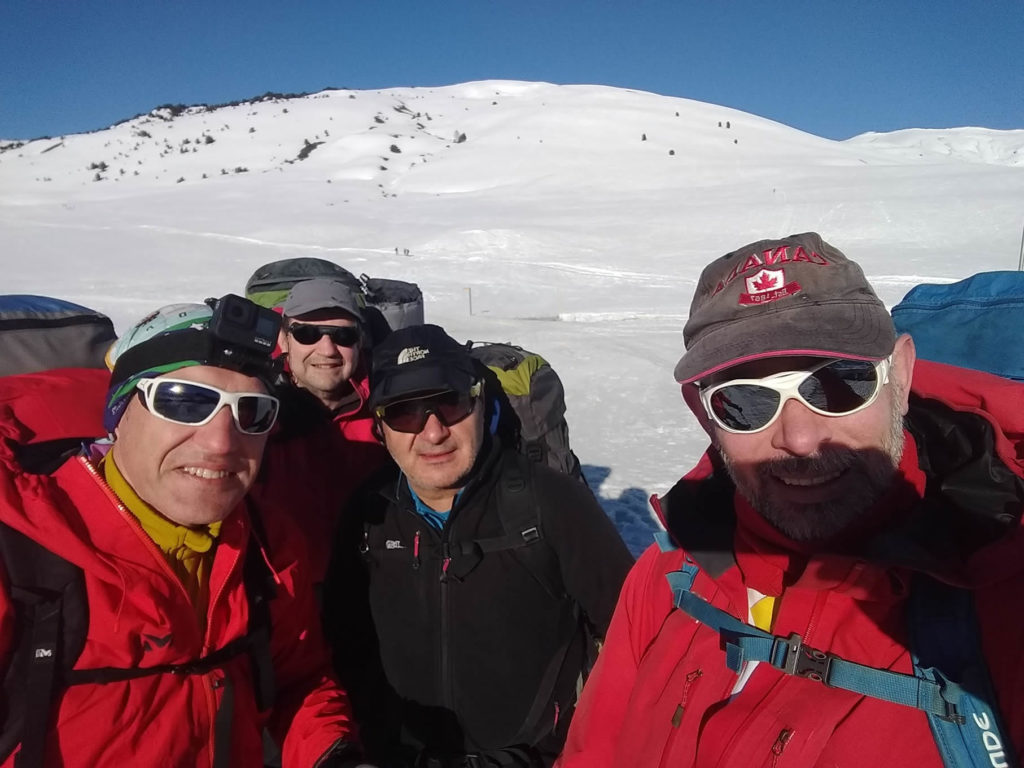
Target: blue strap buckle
[{"x": 803, "y": 661}]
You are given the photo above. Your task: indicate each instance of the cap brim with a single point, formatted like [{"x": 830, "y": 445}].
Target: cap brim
[
  {"x": 421, "y": 379},
  {"x": 862, "y": 331}
]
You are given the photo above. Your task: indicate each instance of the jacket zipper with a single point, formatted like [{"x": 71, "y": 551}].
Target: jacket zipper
[
  {"x": 447, "y": 694},
  {"x": 780, "y": 744},
  {"x": 136, "y": 526},
  {"x": 677, "y": 714},
  {"x": 130, "y": 519}
]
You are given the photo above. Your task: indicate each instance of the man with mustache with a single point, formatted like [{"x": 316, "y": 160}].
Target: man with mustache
[{"x": 854, "y": 512}]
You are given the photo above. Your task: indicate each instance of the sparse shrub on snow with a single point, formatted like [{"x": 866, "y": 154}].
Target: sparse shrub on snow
[
  {"x": 394, "y": 148},
  {"x": 308, "y": 147}
]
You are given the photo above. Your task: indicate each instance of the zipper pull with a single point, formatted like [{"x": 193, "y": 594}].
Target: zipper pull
[
  {"x": 447, "y": 554},
  {"x": 416, "y": 551},
  {"x": 780, "y": 743},
  {"x": 364, "y": 547}
]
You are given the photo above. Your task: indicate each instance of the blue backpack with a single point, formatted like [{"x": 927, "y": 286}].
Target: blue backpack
[{"x": 976, "y": 323}]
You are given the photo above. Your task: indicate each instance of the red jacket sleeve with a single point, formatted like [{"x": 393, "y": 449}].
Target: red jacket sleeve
[
  {"x": 643, "y": 604},
  {"x": 311, "y": 711}
]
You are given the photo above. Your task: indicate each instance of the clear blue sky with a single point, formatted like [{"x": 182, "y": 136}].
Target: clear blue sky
[{"x": 835, "y": 68}]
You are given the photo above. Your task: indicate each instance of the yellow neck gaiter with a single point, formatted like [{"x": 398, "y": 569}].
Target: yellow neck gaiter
[{"x": 189, "y": 551}]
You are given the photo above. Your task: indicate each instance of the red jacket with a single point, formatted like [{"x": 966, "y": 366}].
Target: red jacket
[
  {"x": 139, "y": 615},
  {"x": 315, "y": 462},
  {"x": 661, "y": 693}
]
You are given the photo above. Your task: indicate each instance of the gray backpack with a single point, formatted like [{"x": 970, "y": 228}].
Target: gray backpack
[
  {"x": 39, "y": 333},
  {"x": 537, "y": 400},
  {"x": 393, "y": 304}
]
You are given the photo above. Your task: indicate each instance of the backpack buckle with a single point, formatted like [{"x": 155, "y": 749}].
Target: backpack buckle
[{"x": 804, "y": 661}]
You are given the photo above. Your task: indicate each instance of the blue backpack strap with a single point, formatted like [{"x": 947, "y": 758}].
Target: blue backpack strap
[
  {"x": 946, "y": 647},
  {"x": 791, "y": 656},
  {"x": 664, "y": 541}
]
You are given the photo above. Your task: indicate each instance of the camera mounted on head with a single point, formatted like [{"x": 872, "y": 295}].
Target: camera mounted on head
[
  {"x": 243, "y": 323},
  {"x": 242, "y": 336},
  {"x": 238, "y": 335}
]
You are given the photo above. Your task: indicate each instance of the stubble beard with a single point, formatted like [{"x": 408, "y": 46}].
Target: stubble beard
[{"x": 867, "y": 477}]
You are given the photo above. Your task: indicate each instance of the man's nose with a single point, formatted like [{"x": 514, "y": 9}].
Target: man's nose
[
  {"x": 325, "y": 346},
  {"x": 799, "y": 431},
  {"x": 219, "y": 435},
  {"x": 434, "y": 431}
]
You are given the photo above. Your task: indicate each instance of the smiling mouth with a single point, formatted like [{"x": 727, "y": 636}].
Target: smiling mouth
[
  {"x": 809, "y": 482},
  {"x": 207, "y": 474}
]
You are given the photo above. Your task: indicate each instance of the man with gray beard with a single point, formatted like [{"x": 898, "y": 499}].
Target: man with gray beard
[{"x": 857, "y": 510}]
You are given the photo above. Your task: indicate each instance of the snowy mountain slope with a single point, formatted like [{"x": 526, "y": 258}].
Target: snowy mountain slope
[
  {"x": 573, "y": 220},
  {"x": 977, "y": 145}
]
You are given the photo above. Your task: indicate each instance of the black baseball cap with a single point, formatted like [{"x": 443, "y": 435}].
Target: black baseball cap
[{"x": 419, "y": 359}]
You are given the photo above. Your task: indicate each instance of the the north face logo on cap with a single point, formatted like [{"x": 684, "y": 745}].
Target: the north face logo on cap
[
  {"x": 411, "y": 355},
  {"x": 768, "y": 285}
]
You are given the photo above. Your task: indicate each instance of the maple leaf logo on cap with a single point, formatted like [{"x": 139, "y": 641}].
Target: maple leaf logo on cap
[{"x": 765, "y": 280}]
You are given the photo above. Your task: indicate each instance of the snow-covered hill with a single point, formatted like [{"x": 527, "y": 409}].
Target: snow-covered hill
[{"x": 573, "y": 220}]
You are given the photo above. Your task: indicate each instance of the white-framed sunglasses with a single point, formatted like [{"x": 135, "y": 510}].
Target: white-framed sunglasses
[
  {"x": 834, "y": 387},
  {"x": 193, "y": 404}
]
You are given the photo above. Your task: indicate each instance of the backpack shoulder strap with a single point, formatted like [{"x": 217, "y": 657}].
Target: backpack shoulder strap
[
  {"x": 50, "y": 627},
  {"x": 260, "y": 588},
  {"x": 946, "y": 649},
  {"x": 520, "y": 516},
  {"x": 743, "y": 642},
  {"x": 521, "y": 521},
  {"x": 50, "y": 630}
]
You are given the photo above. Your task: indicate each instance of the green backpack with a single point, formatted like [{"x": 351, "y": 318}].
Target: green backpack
[{"x": 537, "y": 401}]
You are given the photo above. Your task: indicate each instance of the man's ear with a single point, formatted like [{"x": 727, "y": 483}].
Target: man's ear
[
  {"x": 691, "y": 396},
  {"x": 904, "y": 354}
]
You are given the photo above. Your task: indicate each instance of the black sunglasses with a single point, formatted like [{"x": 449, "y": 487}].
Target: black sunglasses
[
  {"x": 341, "y": 335},
  {"x": 411, "y": 415}
]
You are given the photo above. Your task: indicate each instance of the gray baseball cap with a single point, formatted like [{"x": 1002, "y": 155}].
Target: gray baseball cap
[
  {"x": 322, "y": 293},
  {"x": 794, "y": 296}
]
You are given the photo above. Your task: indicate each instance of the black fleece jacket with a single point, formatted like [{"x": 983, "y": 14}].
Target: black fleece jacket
[{"x": 479, "y": 655}]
